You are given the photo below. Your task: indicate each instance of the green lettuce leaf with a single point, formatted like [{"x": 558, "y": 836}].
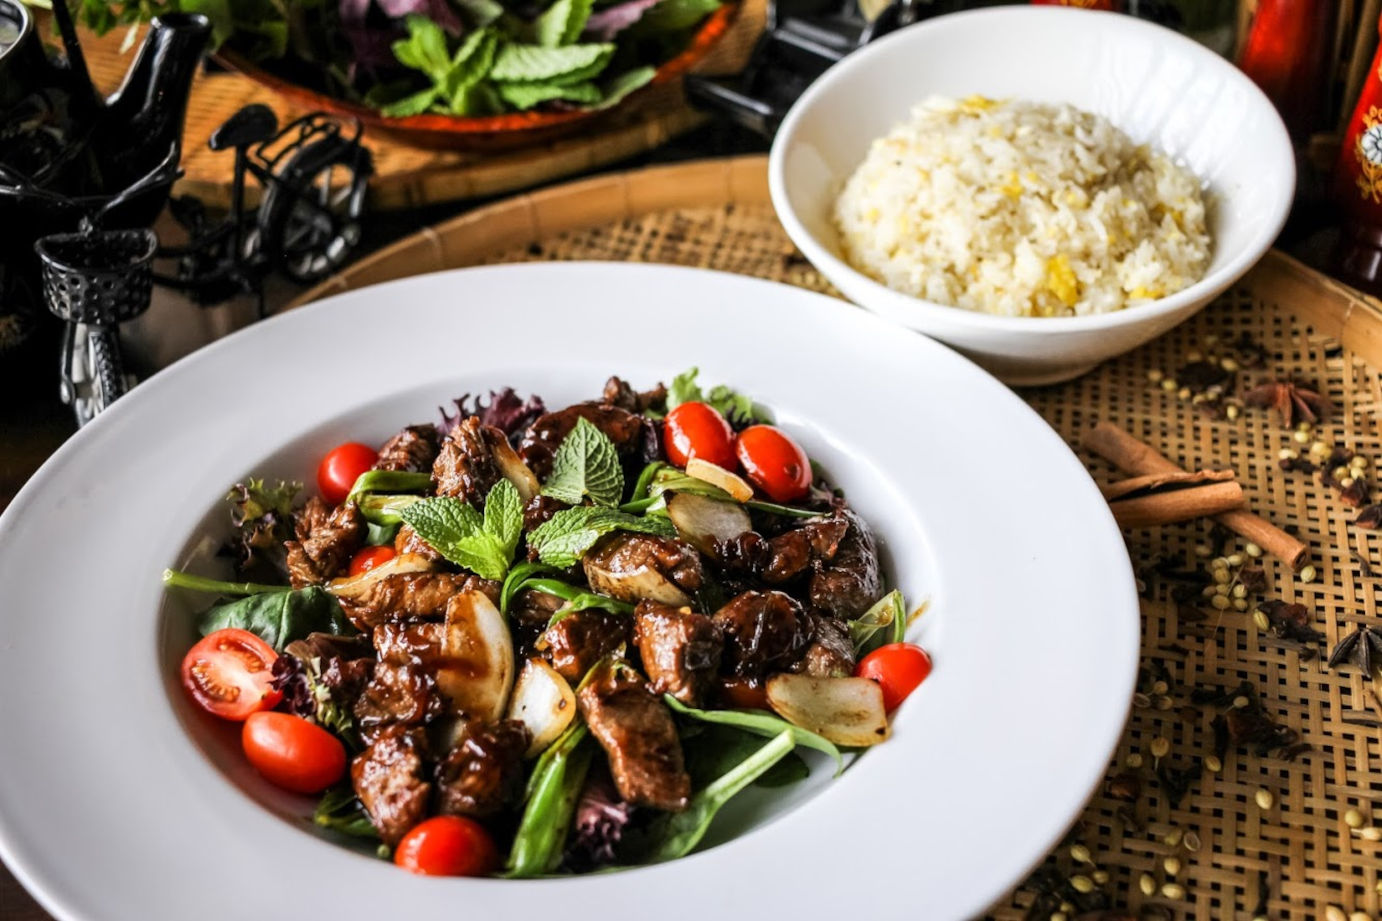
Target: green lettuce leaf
[{"x": 278, "y": 618}]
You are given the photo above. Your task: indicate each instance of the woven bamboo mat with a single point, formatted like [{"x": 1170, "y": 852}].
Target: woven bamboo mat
[
  {"x": 1294, "y": 859},
  {"x": 407, "y": 177}
]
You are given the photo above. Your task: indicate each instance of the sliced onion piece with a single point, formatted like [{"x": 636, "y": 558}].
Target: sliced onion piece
[
  {"x": 514, "y": 470},
  {"x": 355, "y": 586},
  {"x": 847, "y": 711},
  {"x": 477, "y": 668},
  {"x": 704, "y": 522},
  {"x": 544, "y": 702},
  {"x": 738, "y": 488}
]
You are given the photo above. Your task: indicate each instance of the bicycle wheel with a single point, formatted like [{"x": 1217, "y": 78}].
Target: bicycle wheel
[{"x": 310, "y": 222}]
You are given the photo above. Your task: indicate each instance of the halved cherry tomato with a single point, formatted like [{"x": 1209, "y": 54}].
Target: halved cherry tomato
[
  {"x": 774, "y": 462},
  {"x": 341, "y": 467},
  {"x": 898, "y": 668},
  {"x": 228, "y": 673},
  {"x": 292, "y": 753},
  {"x": 370, "y": 557},
  {"x": 697, "y": 429},
  {"x": 448, "y": 845}
]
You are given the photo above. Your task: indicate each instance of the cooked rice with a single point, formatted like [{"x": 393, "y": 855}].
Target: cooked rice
[{"x": 1022, "y": 209}]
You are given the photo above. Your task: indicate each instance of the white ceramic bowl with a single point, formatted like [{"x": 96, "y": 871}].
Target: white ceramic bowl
[{"x": 1158, "y": 86}]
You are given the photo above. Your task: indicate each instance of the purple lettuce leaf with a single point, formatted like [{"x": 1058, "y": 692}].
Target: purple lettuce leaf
[
  {"x": 598, "y": 826},
  {"x": 506, "y": 411},
  {"x": 439, "y": 11},
  {"x": 603, "y": 25}
]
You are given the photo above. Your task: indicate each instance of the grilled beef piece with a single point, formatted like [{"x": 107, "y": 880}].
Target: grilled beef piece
[
  {"x": 403, "y": 695},
  {"x": 529, "y": 613},
  {"x": 398, "y": 643},
  {"x": 389, "y": 779},
  {"x": 326, "y": 540},
  {"x": 680, "y": 650},
  {"x": 411, "y": 596},
  {"x": 635, "y": 729},
  {"x": 484, "y": 772},
  {"x": 413, "y": 450},
  {"x": 778, "y": 560},
  {"x": 619, "y": 393},
  {"x": 831, "y": 653},
  {"x": 465, "y": 467},
  {"x": 633, "y": 567},
  {"x": 764, "y": 632},
  {"x": 408, "y": 541},
  {"x": 540, "y": 510},
  {"x": 542, "y": 438},
  {"x": 576, "y": 642},
  {"x": 850, "y": 583}
]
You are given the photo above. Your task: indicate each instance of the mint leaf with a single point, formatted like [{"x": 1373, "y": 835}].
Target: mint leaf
[
  {"x": 562, "y": 22},
  {"x": 527, "y": 95},
  {"x": 477, "y": 99},
  {"x": 457, "y": 532},
  {"x": 534, "y": 64},
  {"x": 504, "y": 517},
  {"x": 566, "y": 537},
  {"x": 415, "y": 104},
  {"x": 424, "y": 49},
  {"x": 471, "y": 62},
  {"x": 629, "y": 81},
  {"x": 586, "y": 464}
]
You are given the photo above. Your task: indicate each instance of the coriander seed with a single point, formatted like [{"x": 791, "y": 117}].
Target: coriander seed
[
  {"x": 1212, "y": 764},
  {"x": 1134, "y": 761},
  {"x": 1146, "y": 883},
  {"x": 1169, "y": 383},
  {"x": 1164, "y": 703},
  {"x": 1080, "y": 854},
  {"x": 1300, "y": 437},
  {"x": 1334, "y": 913},
  {"x": 1222, "y": 589},
  {"x": 1371, "y": 833},
  {"x": 1240, "y": 604},
  {"x": 1252, "y": 550},
  {"x": 1172, "y": 837},
  {"x": 1231, "y": 411},
  {"x": 1059, "y": 916},
  {"x": 1171, "y": 865},
  {"x": 1229, "y": 365},
  {"x": 1221, "y": 576},
  {"x": 1235, "y": 559},
  {"x": 1308, "y": 574},
  {"x": 1082, "y": 884},
  {"x": 1264, "y": 798},
  {"x": 1360, "y": 916},
  {"x": 1220, "y": 602},
  {"x": 1173, "y": 891},
  {"x": 1261, "y": 620},
  {"x": 1154, "y": 376},
  {"x": 1346, "y": 482},
  {"x": 1359, "y": 461},
  {"x": 1160, "y": 687},
  {"x": 1202, "y": 550},
  {"x": 1240, "y": 702},
  {"x": 1354, "y": 819},
  {"x": 1240, "y": 591},
  {"x": 1209, "y": 590},
  {"x": 1340, "y": 472},
  {"x": 1185, "y": 393},
  {"x": 1192, "y": 841},
  {"x": 1161, "y": 747},
  {"x": 1100, "y": 876},
  {"x": 1286, "y": 454}
]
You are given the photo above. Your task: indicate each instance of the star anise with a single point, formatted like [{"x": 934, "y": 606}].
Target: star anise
[
  {"x": 1290, "y": 398},
  {"x": 1362, "y": 647}
]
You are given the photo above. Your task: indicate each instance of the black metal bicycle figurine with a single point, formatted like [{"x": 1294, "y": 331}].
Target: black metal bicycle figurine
[{"x": 313, "y": 175}]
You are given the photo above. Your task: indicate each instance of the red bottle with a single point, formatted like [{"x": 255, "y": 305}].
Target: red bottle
[
  {"x": 1358, "y": 188},
  {"x": 1286, "y": 53}
]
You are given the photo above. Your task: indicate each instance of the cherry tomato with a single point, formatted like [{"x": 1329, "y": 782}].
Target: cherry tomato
[
  {"x": 697, "y": 429},
  {"x": 898, "y": 668},
  {"x": 448, "y": 845},
  {"x": 228, "y": 674},
  {"x": 774, "y": 462},
  {"x": 292, "y": 753},
  {"x": 341, "y": 467},
  {"x": 370, "y": 557}
]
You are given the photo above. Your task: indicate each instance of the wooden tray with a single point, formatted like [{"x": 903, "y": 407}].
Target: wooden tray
[
  {"x": 408, "y": 177},
  {"x": 1298, "y": 855}
]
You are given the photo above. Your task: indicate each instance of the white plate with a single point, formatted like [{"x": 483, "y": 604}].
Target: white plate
[{"x": 117, "y": 801}]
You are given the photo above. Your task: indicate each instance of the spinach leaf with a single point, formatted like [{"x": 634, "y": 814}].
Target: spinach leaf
[
  {"x": 565, "y": 538},
  {"x": 761, "y": 724},
  {"x": 586, "y": 463},
  {"x": 684, "y": 830},
  {"x": 483, "y": 544},
  {"x": 711, "y": 753},
  {"x": 553, "y": 791},
  {"x": 280, "y": 617}
]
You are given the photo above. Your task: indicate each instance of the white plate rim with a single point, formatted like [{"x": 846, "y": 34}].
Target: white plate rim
[{"x": 619, "y": 284}]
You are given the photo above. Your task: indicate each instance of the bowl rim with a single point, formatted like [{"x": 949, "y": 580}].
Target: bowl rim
[
  {"x": 711, "y": 30},
  {"x": 1201, "y": 291}
]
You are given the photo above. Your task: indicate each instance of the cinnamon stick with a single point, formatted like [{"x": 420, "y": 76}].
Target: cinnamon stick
[
  {"x": 1127, "y": 453},
  {"x": 1161, "y": 482},
  {"x": 1176, "y": 505}
]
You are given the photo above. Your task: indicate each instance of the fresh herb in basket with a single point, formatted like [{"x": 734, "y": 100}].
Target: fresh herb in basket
[{"x": 454, "y": 57}]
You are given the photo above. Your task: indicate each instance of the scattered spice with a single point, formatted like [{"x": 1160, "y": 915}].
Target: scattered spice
[
  {"x": 1369, "y": 518},
  {"x": 1289, "y": 621},
  {"x": 1264, "y": 798},
  {"x": 1175, "y": 782},
  {"x": 1362, "y": 647},
  {"x": 1290, "y": 398},
  {"x": 1124, "y": 787},
  {"x": 1354, "y": 819}
]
